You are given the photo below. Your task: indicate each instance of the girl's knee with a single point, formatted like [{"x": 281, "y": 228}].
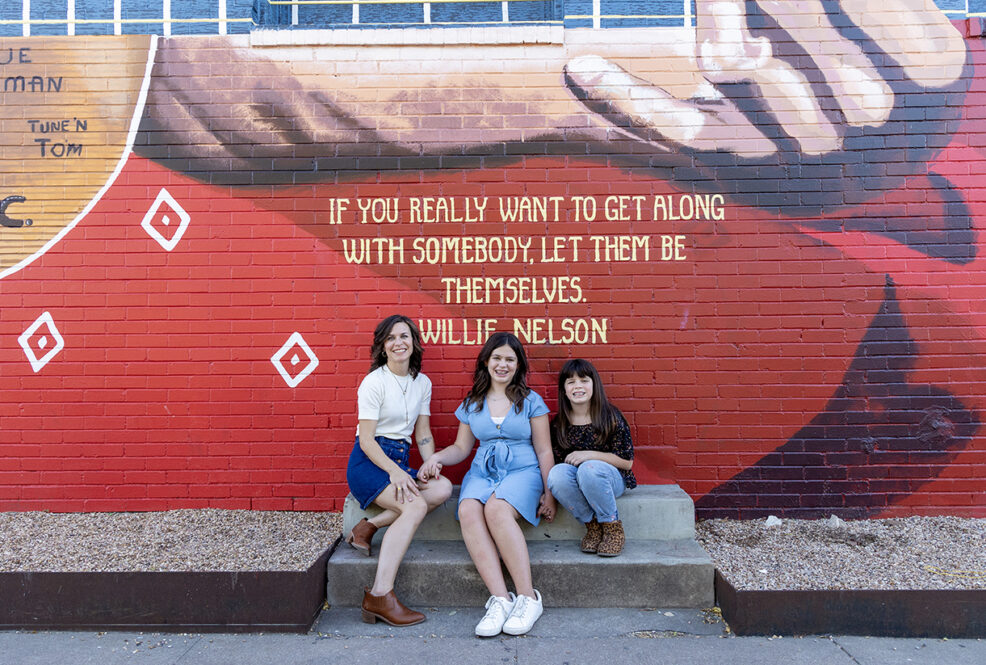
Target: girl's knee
[
  {"x": 470, "y": 510},
  {"x": 592, "y": 468},
  {"x": 498, "y": 511},
  {"x": 559, "y": 475}
]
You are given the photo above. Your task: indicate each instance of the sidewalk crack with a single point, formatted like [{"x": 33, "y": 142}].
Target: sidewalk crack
[
  {"x": 843, "y": 649},
  {"x": 185, "y": 652}
]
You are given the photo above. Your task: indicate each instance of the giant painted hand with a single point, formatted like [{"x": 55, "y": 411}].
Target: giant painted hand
[
  {"x": 817, "y": 75},
  {"x": 803, "y": 84},
  {"x": 843, "y": 85}
]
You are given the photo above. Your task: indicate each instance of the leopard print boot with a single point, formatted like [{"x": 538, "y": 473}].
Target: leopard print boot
[
  {"x": 613, "y": 539},
  {"x": 593, "y": 534}
]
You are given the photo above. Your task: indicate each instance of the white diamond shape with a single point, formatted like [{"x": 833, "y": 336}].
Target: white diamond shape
[
  {"x": 183, "y": 219},
  {"x": 295, "y": 340},
  {"x": 25, "y": 341}
]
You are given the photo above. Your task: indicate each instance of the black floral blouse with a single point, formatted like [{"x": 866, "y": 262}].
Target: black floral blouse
[{"x": 583, "y": 437}]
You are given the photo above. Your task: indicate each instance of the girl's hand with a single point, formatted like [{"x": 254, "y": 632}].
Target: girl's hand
[
  {"x": 430, "y": 469},
  {"x": 405, "y": 488},
  {"x": 577, "y": 457},
  {"x": 547, "y": 507}
]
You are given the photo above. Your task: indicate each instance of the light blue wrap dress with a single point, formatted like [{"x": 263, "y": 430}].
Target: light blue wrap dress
[{"x": 505, "y": 462}]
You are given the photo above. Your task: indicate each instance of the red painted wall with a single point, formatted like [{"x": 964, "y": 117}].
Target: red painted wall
[{"x": 816, "y": 348}]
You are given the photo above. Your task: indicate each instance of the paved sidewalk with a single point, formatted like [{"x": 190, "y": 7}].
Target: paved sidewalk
[{"x": 562, "y": 636}]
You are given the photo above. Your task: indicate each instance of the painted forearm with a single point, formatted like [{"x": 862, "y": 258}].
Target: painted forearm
[{"x": 477, "y": 96}]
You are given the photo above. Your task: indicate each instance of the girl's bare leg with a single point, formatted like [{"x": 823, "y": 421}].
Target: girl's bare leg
[
  {"x": 481, "y": 546},
  {"x": 501, "y": 519}
]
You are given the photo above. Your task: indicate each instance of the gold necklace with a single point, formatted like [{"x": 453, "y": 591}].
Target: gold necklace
[{"x": 403, "y": 389}]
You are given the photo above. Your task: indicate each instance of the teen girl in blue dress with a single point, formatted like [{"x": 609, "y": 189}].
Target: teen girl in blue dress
[{"x": 506, "y": 481}]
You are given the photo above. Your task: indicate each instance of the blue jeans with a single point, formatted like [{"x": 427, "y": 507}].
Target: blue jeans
[{"x": 587, "y": 490}]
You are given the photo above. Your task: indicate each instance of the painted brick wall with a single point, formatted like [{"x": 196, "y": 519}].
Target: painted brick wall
[{"x": 792, "y": 320}]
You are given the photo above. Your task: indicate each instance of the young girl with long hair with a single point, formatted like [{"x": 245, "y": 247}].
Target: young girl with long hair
[
  {"x": 506, "y": 481},
  {"x": 394, "y": 403},
  {"x": 593, "y": 451}
]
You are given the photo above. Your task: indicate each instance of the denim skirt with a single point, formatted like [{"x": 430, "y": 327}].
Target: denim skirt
[{"x": 366, "y": 480}]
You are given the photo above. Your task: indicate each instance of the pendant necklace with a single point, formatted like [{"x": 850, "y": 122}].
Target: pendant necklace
[{"x": 403, "y": 389}]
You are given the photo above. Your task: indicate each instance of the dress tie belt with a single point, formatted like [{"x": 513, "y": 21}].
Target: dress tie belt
[{"x": 496, "y": 460}]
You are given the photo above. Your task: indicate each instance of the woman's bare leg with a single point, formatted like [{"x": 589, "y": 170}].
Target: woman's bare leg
[
  {"x": 434, "y": 497},
  {"x": 400, "y": 532}
]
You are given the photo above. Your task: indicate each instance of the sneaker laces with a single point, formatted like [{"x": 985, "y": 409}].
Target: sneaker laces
[
  {"x": 521, "y": 607},
  {"x": 496, "y": 609}
]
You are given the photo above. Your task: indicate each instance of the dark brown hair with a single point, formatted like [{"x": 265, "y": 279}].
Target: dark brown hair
[
  {"x": 605, "y": 417},
  {"x": 378, "y": 356},
  {"x": 517, "y": 391}
]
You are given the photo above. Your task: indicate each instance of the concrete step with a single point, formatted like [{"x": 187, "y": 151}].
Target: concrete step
[
  {"x": 648, "y": 512},
  {"x": 439, "y": 573}
]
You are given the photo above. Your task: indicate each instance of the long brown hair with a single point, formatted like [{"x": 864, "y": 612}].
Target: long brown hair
[
  {"x": 378, "y": 356},
  {"x": 517, "y": 391},
  {"x": 604, "y": 416}
]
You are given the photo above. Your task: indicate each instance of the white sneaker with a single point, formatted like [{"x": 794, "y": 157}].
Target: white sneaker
[
  {"x": 497, "y": 611},
  {"x": 526, "y": 611}
]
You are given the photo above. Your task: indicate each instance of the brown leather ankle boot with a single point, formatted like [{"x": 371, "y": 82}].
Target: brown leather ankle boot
[
  {"x": 593, "y": 534},
  {"x": 361, "y": 535},
  {"x": 613, "y": 539},
  {"x": 388, "y": 609}
]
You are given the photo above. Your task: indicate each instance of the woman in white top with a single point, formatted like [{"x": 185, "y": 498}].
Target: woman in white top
[{"x": 394, "y": 402}]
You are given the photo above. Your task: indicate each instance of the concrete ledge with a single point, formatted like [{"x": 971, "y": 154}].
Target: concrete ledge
[
  {"x": 878, "y": 613},
  {"x": 649, "y": 512},
  {"x": 439, "y": 573},
  {"x": 225, "y": 601}
]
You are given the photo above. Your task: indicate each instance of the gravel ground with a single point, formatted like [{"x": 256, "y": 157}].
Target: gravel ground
[
  {"x": 201, "y": 540},
  {"x": 902, "y": 553},
  {"x": 906, "y": 553}
]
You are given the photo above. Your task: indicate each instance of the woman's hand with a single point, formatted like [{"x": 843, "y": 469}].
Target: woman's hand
[
  {"x": 578, "y": 456},
  {"x": 430, "y": 469},
  {"x": 547, "y": 507},
  {"x": 405, "y": 489}
]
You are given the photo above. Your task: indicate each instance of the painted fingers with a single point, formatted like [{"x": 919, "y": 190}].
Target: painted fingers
[{"x": 817, "y": 71}]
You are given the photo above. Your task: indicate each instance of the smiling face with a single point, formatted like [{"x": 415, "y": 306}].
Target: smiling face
[
  {"x": 578, "y": 389},
  {"x": 502, "y": 365},
  {"x": 399, "y": 344}
]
